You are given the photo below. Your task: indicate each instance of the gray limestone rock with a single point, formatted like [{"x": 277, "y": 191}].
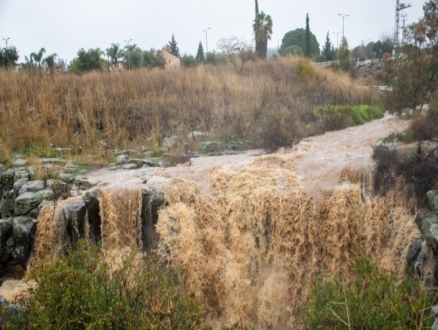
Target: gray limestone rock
[
  {"x": 66, "y": 177},
  {"x": 130, "y": 166},
  {"x": 91, "y": 199},
  {"x": 152, "y": 201},
  {"x": 24, "y": 229},
  {"x": 212, "y": 146},
  {"x": 122, "y": 159},
  {"x": 21, "y": 173},
  {"x": 432, "y": 198},
  {"x": 8, "y": 176},
  {"x": 19, "y": 184},
  {"x": 72, "y": 222},
  {"x": 85, "y": 183},
  {"x": 32, "y": 186},
  {"x": 19, "y": 162},
  {"x": 5, "y": 231},
  {"x": 172, "y": 143},
  {"x": 26, "y": 202}
]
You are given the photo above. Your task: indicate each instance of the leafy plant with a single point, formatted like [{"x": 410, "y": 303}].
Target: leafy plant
[
  {"x": 371, "y": 299},
  {"x": 90, "y": 289}
]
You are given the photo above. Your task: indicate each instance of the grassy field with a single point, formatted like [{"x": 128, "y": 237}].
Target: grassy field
[{"x": 270, "y": 102}]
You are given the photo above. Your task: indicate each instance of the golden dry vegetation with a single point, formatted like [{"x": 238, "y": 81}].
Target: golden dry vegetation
[{"x": 95, "y": 112}]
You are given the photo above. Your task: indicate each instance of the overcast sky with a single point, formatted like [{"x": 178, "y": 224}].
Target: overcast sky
[{"x": 63, "y": 27}]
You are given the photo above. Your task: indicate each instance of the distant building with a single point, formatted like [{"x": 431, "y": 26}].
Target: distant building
[{"x": 172, "y": 62}]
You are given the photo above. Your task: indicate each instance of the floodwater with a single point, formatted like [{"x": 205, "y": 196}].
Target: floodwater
[{"x": 251, "y": 231}]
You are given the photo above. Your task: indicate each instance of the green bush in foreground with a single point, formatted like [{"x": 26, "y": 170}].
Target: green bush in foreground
[
  {"x": 335, "y": 117},
  {"x": 372, "y": 300},
  {"x": 89, "y": 290}
]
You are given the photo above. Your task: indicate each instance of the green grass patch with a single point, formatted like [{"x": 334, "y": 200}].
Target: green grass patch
[
  {"x": 335, "y": 117},
  {"x": 369, "y": 298}
]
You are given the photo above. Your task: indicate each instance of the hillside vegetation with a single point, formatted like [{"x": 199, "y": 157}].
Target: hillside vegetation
[{"x": 268, "y": 103}]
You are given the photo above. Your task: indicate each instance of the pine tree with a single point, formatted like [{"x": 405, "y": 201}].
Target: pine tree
[
  {"x": 174, "y": 50},
  {"x": 328, "y": 49},
  {"x": 307, "y": 51},
  {"x": 256, "y": 7},
  {"x": 344, "y": 55},
  {"x": 200, "y": 54}
]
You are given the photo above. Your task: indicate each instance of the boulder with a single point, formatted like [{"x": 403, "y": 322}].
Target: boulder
[
  {"x": 91, "y": 200},
  {"x": 26, "y": 202},
  {"x": 416, "y": 256},
  {"x": 427, "y": 147},
  {"x": 152, "y": 201},
  {"x": 122, "y": 159},
  {"x": 21, "y": 173},
  {"x": 57, "y": 185},
  {"x": 130, "y": 166},
  {"x": 432, "y": 198},
  {"x": 85, "y": 183},
  {"x": 172, "y": 143},
  {"x": 24, "y": 229},
  {"x": 72, "y": 222},
  {"x": 5, "y": 231},
  {"x": 19, "y": 162},
  {"x": 174, "y": 158},
  {"x": 32, "y": 186},
  {"x": 7, "y": 204},
  {"x": 8, "y": 176},
  {"x": 66, "y": 177},
  {"x": 19, "y": 184},
  {"x": 212, "y": 146}
]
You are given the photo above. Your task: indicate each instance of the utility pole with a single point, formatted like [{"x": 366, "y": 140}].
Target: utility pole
[
  {"x": 343, "y": 19},
  {"x": 398, "y": 8},
  {"x": 403, "y": 29},
  {"x": 127, "y": 48},
  {"x": 6, "y": 40},
  {"x": 337, "y": 45},
  {"x": 206, "y": 42}
]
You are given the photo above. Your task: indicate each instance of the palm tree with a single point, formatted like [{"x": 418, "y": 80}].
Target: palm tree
[
  {"x": 262, "y": 32},
  {"x": 50, "y": 61},
  {"x": 38, "y": 56},
  {"x": 114, "y": 52}
]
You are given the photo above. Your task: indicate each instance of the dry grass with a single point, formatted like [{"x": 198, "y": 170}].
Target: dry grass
[{"x": 125, "y": 109}]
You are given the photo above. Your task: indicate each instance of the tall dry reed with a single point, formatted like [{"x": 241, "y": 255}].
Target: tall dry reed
[{"x": 128, "y": 108}]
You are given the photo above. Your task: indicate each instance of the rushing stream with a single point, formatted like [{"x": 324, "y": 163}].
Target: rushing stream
[{"x": 251, "y": 231}]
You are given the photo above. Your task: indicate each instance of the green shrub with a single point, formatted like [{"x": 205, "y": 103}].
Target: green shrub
[
  {"x": 335, "y": 117},
  {"x": 305, "y": 70},
  {"x": 87, "y": 289},
  {"x": 372, "y": 299}
]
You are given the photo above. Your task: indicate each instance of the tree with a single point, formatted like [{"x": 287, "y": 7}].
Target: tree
[
  {"x": 296, "y": 38},
  {"x": 328, "y": 50},
  {"x": 188, "y": 61},
  {"x": 87, "y": 60},
  {"x": 8, "y": 57},
  {"x": 414, "y": 77},
  {"x": 292, "y": 50},
  {"x": 50, "y": 61},
  {"x": 114, "y": 53},
  {"x": 200, "y": 54},
  {"x": 344, "y": 55},
  {"x": 153, "y": 59},
  {"x": 262, "y": 30},
  {"x": 307, "y": 51},
  {"x": 237, "y": 51},
  {"x": 174, "y": 50},
  {"x": 257, "y": 46},
  {"x": 38, "y": 57}
]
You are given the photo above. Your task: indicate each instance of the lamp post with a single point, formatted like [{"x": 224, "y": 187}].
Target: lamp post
[
  {"x": 127, "y": 46},
  {"x": 206, "y": 43},
  {"x": 337, "y": 45},
  {"x": 6, "y": 40},
  {"x": 343, "y": 18}
]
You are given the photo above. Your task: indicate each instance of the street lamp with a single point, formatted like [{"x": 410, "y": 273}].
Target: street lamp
[
  {"x": 127, "y": 46},
  {"x": 206, "y": 43},
  {"x": 343, "y": 18},
  {"x": 337, "y": 45},
  {"x": 6, "y": 40}
]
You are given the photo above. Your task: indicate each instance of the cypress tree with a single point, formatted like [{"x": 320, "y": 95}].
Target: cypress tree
[
  {"x": 200, "y": 54},
  {"x": 307, "y": 51},
  {"x": 174, "y": 50},
  {"x": 328, "y": 49}
]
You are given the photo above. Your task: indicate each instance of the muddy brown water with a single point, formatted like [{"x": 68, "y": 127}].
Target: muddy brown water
[{"x": 251, "y": 231}]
